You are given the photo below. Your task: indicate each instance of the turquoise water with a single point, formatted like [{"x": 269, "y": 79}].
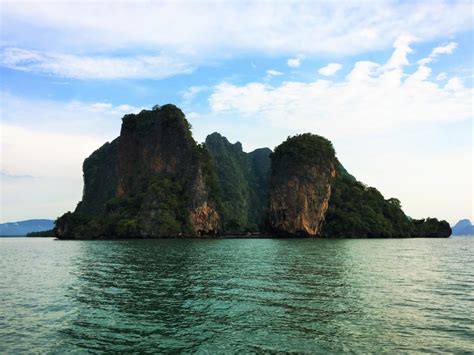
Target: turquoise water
[{"x": 249, "y": 295}]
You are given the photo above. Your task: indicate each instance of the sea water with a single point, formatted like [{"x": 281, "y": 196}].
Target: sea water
[{"x": 229, "y": 295}]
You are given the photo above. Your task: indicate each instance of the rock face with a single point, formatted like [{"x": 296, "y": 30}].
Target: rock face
[
  {"x": 100, "y": 178},
  {"x": 243, "y": 183},
  {"x": 152, "y": 181},
  {"x": 152, "y": 142},
  {"x": 302, "y": 171}
]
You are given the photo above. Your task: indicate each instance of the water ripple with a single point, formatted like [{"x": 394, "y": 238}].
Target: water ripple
[{"x": 220, "y": 296}]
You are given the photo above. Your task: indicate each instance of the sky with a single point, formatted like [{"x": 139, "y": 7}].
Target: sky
[{"x": 390, "y": 83}]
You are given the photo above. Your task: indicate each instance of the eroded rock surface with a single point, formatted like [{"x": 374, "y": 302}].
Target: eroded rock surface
[
  {"x": 300, "y": 185},
  {"x": 154, "y": 180}
]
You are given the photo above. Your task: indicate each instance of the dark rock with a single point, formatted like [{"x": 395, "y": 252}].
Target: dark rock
[
  {"x": 431, "y": 228},
  {"x": 243, "y": 183}
]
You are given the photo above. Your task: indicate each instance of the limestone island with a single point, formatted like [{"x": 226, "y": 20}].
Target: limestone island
[{"x": 155, "y": 181}]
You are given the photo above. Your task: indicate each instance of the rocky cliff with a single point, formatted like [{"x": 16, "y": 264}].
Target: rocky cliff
[
  {"x": 243, "y": 183},
  {"x": 312, "y": 194},
  {"x": 100, "y": 179},
  {"x": 155, "y": 181},
  {"x": 152, "y": 181},
  {"x": 302, "y": 171}
]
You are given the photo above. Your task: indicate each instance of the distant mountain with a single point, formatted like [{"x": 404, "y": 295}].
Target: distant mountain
[
  {"x": 22, "y": 228},
  {"x": 463, "y": 227}
]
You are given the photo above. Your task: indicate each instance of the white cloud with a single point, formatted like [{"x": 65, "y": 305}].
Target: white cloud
[
  {"x": 191, "y": 29},
  {"x": 295, "y": 62},
  {"x": 402, "y": 47},
  {"x": 454, "y": 85},
  {"x": 93, "y": 67},
  {"x": 190, "y": 93},
  {"x": 272, "y": 72},
  {"x": 447, "y": 49},
  {"x": 372, "y": 98},
  {"x": 330, "y": 69}
]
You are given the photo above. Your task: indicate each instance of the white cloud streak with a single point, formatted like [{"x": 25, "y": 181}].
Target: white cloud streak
[
  {"x": 93, "y": 67},
  {"x": 447, "y": 49},
  {"x": 272, "y": 72},
  {"x": 190, "y": 93}
]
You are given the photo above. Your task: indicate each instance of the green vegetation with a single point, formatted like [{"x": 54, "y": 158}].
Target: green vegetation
[
  {"x": 431, "y": 228},
  {"x": 170, "y": 198},
  {"x": 260, "y": 164},
  {"x": 358, "y": 211},
  {"x": 210, "y": 175},
  {"x": 42, "y": 234},
  {"x": 242, "y": 183},
  {"x": 231, "y": 165},
  {"x": 300, "y": 150},
  {"x": 165, "y": 198}
]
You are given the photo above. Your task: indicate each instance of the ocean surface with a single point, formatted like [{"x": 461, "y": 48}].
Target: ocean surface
[{"x": 230, "y": 295}]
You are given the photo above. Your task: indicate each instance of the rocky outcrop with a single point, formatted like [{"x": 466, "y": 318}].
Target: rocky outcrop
[
  {"x": 243, "y": 183},
  {"x": 205, "y": 219},
  {"x": 157, "y": 141},
  {"x": 302, "y": 171},
  {"x": 155, "y": 181},
  {"x": 431, "y": 228},
  {"x": 100, "y": 178},
  {"x": 152, "y": 181}
]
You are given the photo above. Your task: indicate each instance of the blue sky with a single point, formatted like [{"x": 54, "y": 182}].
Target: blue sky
[{"x": 388, "y": 82}]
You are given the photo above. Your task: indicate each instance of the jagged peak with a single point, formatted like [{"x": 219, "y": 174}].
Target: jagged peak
[
  {"x": 166, "y": 114},
  {"x": 264, "y": 150},
  {"x": 217, "y": 137}
]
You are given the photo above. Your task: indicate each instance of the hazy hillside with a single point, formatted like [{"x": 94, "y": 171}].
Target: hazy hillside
[
  {"x": 463, "y": 227},
  {"x": 21, "y": 228}
]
